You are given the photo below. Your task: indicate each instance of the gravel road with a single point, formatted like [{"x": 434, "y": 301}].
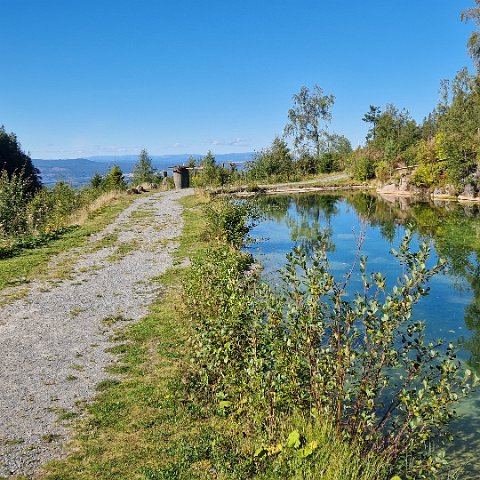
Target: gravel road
[{"x": 53, "y": 341}]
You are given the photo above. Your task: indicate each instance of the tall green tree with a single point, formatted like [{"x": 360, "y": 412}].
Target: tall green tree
[
  {"x": 308, "y": 118},
  {"x": 473, "y": 13},
  {"x": 143, "y": 170},
  {"x": 459, "y": 125},
  {"x": 372, "y": 117},
  {"x": 15, "y": 161}
]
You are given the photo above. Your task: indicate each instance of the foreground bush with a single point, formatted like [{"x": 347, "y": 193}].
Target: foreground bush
[{"x": 362, "y": 368}]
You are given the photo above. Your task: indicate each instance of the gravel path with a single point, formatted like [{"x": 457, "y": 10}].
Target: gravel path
[{"x": 53, "y": 341}]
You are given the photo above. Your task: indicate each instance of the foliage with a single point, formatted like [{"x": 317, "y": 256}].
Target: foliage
[
  {"x": 311, "y": 449},
  {"x": 362, "y": 163},
  {"x": 114, "y": 179},
  {"x": 14, "y": 196},
  {"x": 143, "y": 170},
  {"x": 275, "y": 162},
  {"x": 473, "y": 13},
  {"x": 428, "y": 154},
  {"x": 229, "y": 221},
  {"x": 264, "y": 353},
  {"x": 310, "y": 110},
  {"x": 212, "y": 174},
  {"x": 14, "y": 161},
  {"x": 458, "y": 125},
  {"x": 372, "y": 117}
]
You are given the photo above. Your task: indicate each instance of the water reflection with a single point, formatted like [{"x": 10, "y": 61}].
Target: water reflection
[
  {"x": 451, "y": 311},
  {"x": 453, "y": 229}
]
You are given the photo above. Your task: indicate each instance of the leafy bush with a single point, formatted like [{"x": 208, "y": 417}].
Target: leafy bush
[
  {"x": 227, "y": 221},
  {"x": 362, "y": 163},
  {"x": 426, "y": 175},
  {"x": 274, "y": 163},
  {"x": 212, "y": 174},
  {"x": 16, "y": 162},
  {"x": 14, "y": 197},
  {"x": 268, "y": 353}
]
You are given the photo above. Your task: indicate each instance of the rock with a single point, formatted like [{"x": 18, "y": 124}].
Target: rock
[
  {"x": 468, "y": 193},
  {"x": 404, "y": 185},
  {"x": 439, "y": 192},
  {"x": 389, "y": 188}
]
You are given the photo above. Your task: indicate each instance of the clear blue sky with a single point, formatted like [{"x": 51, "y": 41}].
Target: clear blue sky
[{"x": 96, "y": 77}]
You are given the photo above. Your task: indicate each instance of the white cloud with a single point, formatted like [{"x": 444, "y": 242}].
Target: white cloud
[{"x": 231, "y": 142}]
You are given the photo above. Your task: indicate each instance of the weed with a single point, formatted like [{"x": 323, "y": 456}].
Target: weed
[{"x": 51, "y": 437}]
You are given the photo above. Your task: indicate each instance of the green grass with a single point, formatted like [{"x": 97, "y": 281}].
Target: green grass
[
  {"x": 138, "y": 426},
  {"x": 123, "y": 249},
  {"x": 29, "y": 264},
  {"x": 146, "y": 424}
]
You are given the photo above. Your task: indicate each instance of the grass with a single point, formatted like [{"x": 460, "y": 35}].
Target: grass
[
  {"x": 144, "y": 423},
  {"x": 28, "y": 264},
  {"x": 123, "y": 249},
  {"x": 138, "y": 426}
]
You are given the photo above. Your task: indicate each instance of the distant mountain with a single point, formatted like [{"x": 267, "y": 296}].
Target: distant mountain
[
  {"x": 177, "y": 159},
  {"x": 79, "y": 171}
]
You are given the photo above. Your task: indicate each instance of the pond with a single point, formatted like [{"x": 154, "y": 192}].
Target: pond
[{"x": 451, "y": 310}]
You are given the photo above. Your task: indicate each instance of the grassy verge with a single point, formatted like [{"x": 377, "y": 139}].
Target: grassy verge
[
  {"x": 140, "y": 424},
  {"x": 147, "y": 422},
  {"x": 28, "y": 263}
]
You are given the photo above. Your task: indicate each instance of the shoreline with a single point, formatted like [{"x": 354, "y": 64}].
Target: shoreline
[{"x": 296, "y": 187}]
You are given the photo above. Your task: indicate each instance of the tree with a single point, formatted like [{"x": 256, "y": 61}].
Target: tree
[
  {"x": 275, "y": 161},
  {"x": 473, "y": 44},
  {"x": 14, "y": 161},
  {"x": 97, "y": 181},
  {"x": 310, "y": 111},
  {"x": 372, "y": 117},
  {"x": 458, "y": 123},
  {"x": 143, "y": 170},
  {"x": 337, "y": 148},
  {"x": 114, "y": 179}
]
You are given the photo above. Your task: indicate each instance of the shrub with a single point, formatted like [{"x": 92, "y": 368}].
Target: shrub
[
  {"x": 362, "y": 163},
  {"x": 14, "y": 197},
  {"x": 227, "y": 221},
  {"x": 269, "y": 353},
  {"x": 275, "y": 163}
]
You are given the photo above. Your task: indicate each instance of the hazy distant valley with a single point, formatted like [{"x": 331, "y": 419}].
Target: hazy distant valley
[{"x": 79, "y": 171}]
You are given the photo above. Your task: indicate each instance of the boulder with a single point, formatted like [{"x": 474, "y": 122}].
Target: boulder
[{"x": 468, "y": 193}]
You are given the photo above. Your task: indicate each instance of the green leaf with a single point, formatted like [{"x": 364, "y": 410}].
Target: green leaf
[
  {"x": 293, "y": 440},
  {"x": 260, "y": 452}
]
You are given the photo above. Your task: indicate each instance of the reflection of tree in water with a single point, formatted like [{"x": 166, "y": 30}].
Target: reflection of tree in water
[
  {"x": 312, "y": 220},
  {"x": 454, "y": 229},
  {"x": 308, "y": 216},
  {"x": 377, "y": 213},
  {"x": 273, "y": 207}
]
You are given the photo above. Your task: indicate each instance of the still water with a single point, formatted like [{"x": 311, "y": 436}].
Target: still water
[{"x": 451, "y": 310}]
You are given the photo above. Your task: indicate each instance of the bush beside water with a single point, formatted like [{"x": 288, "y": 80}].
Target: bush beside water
[{"x": 312, "y": 380}]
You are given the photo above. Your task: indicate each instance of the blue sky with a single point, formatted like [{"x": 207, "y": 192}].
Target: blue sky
[{"x": 98, "y": 77}]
